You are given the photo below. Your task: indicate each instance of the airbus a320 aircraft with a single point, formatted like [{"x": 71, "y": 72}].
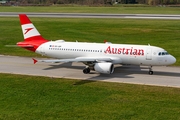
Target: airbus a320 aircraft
[{"x": 100, "y": 57}]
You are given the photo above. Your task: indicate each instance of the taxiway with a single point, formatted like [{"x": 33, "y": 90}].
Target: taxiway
[
  {"x": 92, "y": 15},
  {"x": 163, "y": 76}
]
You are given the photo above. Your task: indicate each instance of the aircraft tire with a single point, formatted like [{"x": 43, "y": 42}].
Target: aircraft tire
[
  {"x": 86, "y": 71},
  {"x": 150, "y": 72}
]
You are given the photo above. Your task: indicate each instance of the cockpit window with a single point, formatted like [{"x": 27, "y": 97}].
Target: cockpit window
[
  {"x": 163, "y": 53},
  {"x": 167, "y": 53}
]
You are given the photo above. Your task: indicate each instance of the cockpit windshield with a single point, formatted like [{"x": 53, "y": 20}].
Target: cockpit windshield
[{"x": 163, "y": 53}]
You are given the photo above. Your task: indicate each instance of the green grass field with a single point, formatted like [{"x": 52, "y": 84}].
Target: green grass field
[
  {"x": 30, "y": 97},
  {"x": 85, "y": 9},
  {"x": 162, "y": 33}
]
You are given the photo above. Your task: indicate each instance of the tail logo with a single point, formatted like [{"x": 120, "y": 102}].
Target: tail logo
[{"x": 27, "y": 30}]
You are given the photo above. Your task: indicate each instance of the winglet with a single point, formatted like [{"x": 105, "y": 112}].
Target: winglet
[{"x": 35, "y": 61}]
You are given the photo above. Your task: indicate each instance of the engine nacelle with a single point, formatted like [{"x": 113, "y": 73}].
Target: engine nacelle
[{"x": 105, "y": 68}]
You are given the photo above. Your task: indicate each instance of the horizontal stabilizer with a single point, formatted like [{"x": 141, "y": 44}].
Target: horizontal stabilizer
[
  {"x": 11, "y": 46},
  {"x": 24, "y": 46}
]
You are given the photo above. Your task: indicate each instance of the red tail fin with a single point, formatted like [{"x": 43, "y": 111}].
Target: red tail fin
[{"x": 31, "y": 35}]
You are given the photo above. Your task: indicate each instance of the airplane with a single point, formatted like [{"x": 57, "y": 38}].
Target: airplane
[{"x": 100, "y": 57}]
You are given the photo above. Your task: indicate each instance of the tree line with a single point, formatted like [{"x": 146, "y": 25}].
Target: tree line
[{"x": 94, "y": 2}]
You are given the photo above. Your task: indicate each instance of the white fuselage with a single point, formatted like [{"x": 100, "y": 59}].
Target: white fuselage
[{"x": 119, "y": 53}]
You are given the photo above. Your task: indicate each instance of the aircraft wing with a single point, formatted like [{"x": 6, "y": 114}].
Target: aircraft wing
[{"x": 78, "y": 59}]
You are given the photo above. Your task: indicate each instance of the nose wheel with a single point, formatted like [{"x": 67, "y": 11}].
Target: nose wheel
[
  {"x": 150, "y": 70},
  {"x": 86, "y": 70}
]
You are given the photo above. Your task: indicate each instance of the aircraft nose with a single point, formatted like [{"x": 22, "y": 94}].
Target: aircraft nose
[{"x": 172, "y": 60}]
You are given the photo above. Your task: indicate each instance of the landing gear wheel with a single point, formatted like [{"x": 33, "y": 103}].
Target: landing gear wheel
[
  {"x": 150, "y": 72},
  {"x": 86, "y": 71}
]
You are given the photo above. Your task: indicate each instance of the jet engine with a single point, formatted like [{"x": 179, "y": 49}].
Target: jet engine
[{"x": 105, "y": 68}]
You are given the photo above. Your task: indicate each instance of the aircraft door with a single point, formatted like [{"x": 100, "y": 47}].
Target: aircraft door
[{"x": 149, "y": 54}]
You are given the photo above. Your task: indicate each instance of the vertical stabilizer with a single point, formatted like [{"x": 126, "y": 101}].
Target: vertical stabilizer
[
  {"x": 32, "y": 38},
  {"x": 29, "y": 30}
]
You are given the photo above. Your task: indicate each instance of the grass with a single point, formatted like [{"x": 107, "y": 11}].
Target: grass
[
  {"x": 30, "y": 97},
  {"x": 86, "y": 9},
  {"x": 162, "y": 33}
]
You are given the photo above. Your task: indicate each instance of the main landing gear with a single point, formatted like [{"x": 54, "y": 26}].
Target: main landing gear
[
  {"x": 150, "y": 70},
  {"x": 86, "y": 70}
]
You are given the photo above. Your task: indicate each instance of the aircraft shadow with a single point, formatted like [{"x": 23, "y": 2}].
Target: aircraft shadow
[
  {"x": 64, "y": 65},
  {"x": 167, "y": 74},
  {"x": 124, "y": 71},
  {"x": 130, "y": 69},
  {"x": 119, "y": 71}
]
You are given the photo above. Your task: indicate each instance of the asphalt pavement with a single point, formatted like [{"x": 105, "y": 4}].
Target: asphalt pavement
[{"x": 163, "y": 76}]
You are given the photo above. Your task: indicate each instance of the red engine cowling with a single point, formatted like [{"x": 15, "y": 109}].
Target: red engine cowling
[{"x": 105, "y": 68}]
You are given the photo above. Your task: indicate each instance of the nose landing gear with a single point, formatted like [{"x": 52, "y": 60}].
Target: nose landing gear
[{"x": 150, "y": 70}]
